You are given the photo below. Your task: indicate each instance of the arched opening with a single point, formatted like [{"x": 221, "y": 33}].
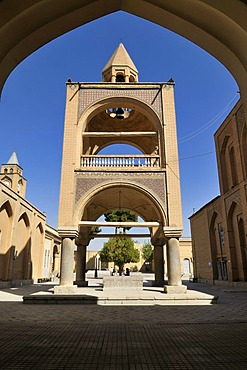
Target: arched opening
[
  {"x": 6, "y": 250},
  {"x": 186, "y": 267},
  {"x": 89, "y": 70},
  {"x": 243, "y": 249},
  {"x": 233, "y": 166},
  {"x": 39, "y": 260},
  {"x": 120, "y": 196},
  {"x": 120, "y": 78},
  {"x": 237, "y": 242},
  {"x": 224, "y": 165},
  {"x": 217, "y": 244},
  {"x": 7, "y": 181},
  {"x": 244, "y": 150},
  {"x": 197, "y": 21},
  {"x": 22, "y": 241}
]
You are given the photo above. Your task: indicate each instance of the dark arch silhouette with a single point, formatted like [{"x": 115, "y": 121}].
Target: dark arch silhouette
[{"x": 199, "y": 21}]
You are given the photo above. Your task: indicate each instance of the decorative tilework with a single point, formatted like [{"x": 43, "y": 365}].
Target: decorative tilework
[
  {"x": 150, "y": 96},
  {"x": 154, "y": 182}
]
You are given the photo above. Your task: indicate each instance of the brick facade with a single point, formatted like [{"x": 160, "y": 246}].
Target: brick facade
[{"x": 219, "y": 228}]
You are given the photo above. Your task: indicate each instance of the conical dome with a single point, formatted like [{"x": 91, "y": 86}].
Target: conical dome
[
  {"x": 13, "y": 159},
  {"x": 120, "y": 67}
]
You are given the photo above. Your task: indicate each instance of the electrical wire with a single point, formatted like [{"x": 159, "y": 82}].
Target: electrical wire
[{"x": 197, "y": 132}]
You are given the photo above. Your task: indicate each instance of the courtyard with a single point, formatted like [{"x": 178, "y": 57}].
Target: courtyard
[{"x": 124, "y": 337}]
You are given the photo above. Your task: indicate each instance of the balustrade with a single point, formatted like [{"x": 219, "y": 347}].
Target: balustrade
[{"x": 120, "y": 161}]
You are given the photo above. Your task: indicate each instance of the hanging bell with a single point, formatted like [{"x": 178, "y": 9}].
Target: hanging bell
[{"x": 120, "y": 113}]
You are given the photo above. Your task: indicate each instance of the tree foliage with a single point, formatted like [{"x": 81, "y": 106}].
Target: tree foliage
[
  {"x": 120, "y": 215},
  {"x": 95, "y": 230},
  {"x": 119, "y": 251},
  {"x": 147, "y": 252}
]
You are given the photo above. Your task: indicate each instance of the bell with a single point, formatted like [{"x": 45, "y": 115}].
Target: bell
[{"x": 119, "y": 111}]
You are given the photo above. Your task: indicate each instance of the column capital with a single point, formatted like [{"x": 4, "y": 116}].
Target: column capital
[
  {"x": 68, "y": 232},
  {"x": 158, "y": 242},
  {"x": 81, "y": 241},
  {"x": 172, "y": 232}
]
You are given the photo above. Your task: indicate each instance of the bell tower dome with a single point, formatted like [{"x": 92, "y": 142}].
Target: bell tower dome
[{"x": 120, "y": 67}]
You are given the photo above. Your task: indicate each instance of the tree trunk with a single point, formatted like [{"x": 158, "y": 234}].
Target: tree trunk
[{"x": 120, "y": 269}]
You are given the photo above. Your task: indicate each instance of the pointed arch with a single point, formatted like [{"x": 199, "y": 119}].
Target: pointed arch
[
  {"x": 40, "y": 228},
  {"x": 134, "y": 197},
  {"x": 234, "y": 174},
  {"x": 6, "y": 249},
  {"x": 7, "y": 181},
  {"x": 25, "y": 218},
  {"x": 199, "y": 21},
  {"x": 213, "y": 243},
  {"x": 243, "y": 148},
  {"x": 236, "y": 236},
  {"x": 243, "y": 248},
  {"x": 223, "y": 165},
  {"x": 7, "y": 207}
]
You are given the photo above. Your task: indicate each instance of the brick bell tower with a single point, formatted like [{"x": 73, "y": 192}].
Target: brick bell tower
[{"x": 120, "y": 110}]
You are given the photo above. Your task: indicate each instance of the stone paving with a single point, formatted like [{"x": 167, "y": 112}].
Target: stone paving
[{"x": 124, "y": 337}]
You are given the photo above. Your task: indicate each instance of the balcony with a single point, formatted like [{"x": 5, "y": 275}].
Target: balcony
[{"x": 120, "y": 161}]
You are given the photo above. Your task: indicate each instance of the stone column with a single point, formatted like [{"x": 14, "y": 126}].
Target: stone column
[
  {"x": 159, "y": 265},
  {"x": 67, "y": 262},
  {"x": 81, "y": 265},
  {"x": 173, "y": 262}
]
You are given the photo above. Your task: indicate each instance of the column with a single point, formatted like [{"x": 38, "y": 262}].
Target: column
[
  {"x": 174, "y": 286},
  {"x": 173, "y": 262},
  {"x": 159, "y": 265},
  {"x": 67, "y": 262},
  {"x": 81, "y": 265},
  {"x": 174, "y": 268}
]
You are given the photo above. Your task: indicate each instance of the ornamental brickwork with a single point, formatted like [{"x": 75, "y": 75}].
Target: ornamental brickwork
[
  {"x": 150, "y": 96},
  {"x": 86, "y": 182}
]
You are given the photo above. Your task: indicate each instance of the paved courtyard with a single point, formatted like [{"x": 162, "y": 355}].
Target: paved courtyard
[{"x": 124, "y": 337}]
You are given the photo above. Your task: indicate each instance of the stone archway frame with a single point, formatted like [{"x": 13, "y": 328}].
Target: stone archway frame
[
  {"x": 218, "y": 27},
  {"x": 88, "y": 198}
]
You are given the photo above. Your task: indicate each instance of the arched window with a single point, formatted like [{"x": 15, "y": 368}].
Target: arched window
[
  {"x": 120, "y": 78},
  {"x": 223, "y": 166},
  {"x": 186, "y": 266},
  {"x": 244, "y": 150},
  {"x": 233, "y": 166}
]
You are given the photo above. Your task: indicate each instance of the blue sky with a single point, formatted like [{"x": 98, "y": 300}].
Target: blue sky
[{"x": 33, "y": 102}]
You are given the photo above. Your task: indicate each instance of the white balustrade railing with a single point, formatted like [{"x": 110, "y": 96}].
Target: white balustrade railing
[{"x": 120, "y": 161}]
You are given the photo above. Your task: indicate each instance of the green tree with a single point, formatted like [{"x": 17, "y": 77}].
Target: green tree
[
  {"x": 119, "y": 251},
  {"x": 120, "y": 215},
  {"x": 147, "y": 252},
  {"x": 95, "y": 230}
]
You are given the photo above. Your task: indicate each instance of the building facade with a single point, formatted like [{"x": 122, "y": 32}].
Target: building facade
[
  {"x": 219, "y": 228},
  {"x": 29, "y": 248},
  {"x": 120, "y": 110}
]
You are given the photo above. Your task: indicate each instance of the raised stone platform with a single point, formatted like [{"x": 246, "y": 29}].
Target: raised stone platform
[
  {"x": 119, "y": 300},
  {"x": 96, "y": 295},
  {"x": 132, "y": 283}
]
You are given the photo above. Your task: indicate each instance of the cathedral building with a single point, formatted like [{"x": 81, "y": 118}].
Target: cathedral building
[
  {"x": 29, "y": 248},
  {"x": 219, "y": 228}
]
